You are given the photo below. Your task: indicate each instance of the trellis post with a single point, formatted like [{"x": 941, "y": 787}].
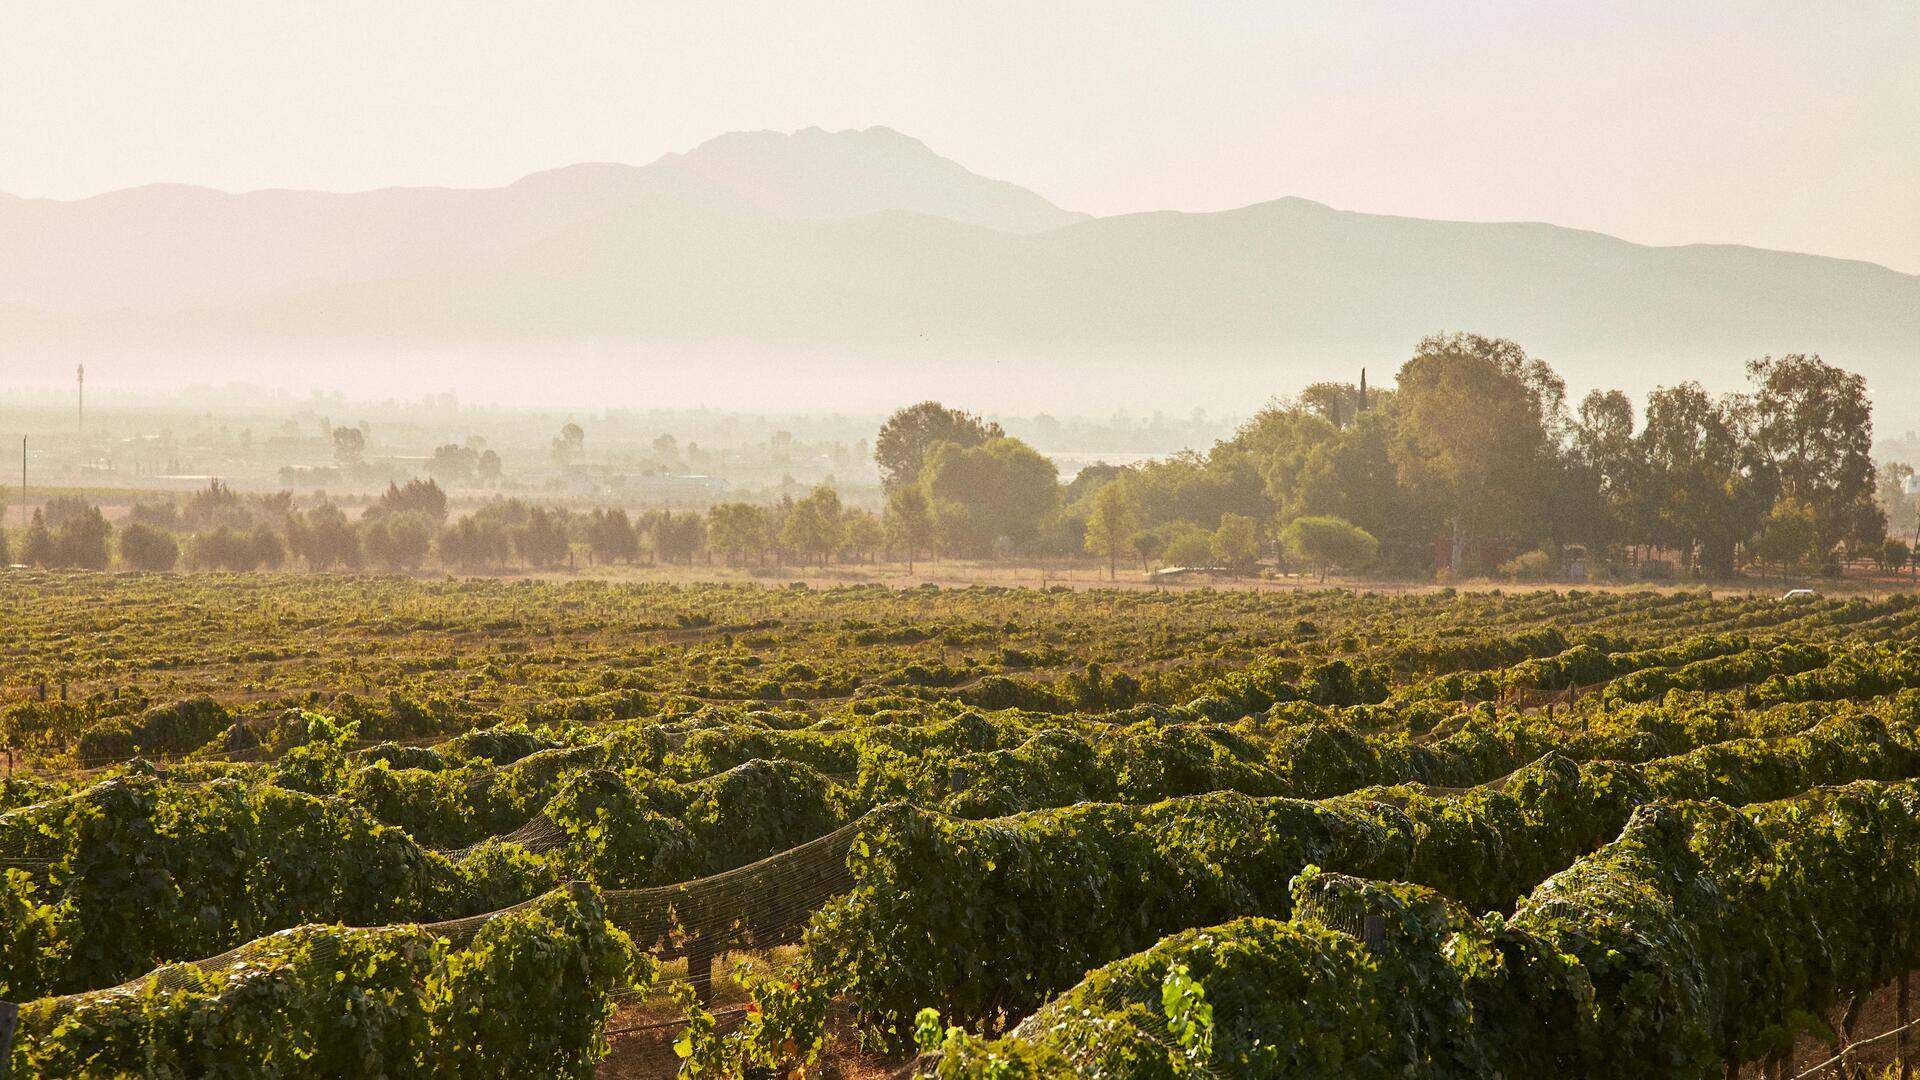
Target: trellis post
[
  {"x": 1900, "y": 1040},
  {"x": 9, "y": 1018}
]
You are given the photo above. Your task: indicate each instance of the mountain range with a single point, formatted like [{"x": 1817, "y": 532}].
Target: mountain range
[{"x": 867, "y": 243}]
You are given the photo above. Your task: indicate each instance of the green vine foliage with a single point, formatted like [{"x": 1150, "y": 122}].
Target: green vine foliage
[
  {"x": 990, "y": 918},
  {"x": 214, "y": 864},
  {"x": 614, "y": 837},
  {"x": 1183, "y": 1001},
  {"x": 35, "y": 938},
  {"x": 1175, "y": 767},
  {"x": 528, "y": 997},
  {"x": 173, "y": 728},
  {"x": 140, "y": 872},
  {"x": 782, "y": 1031},
  {"x": 1702, "y": 937},
  {"x": 986, "y": 918}
]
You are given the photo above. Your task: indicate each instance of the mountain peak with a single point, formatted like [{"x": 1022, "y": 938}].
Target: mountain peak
[
  {"x": 814, "y": 173},
  {"x": 815, "y": 138}
]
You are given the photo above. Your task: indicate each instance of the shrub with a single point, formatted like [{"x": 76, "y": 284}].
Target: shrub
[
  {"x": 1532, "y": 566},
  {"x": 1328, "y": 542},
  {"x": 144, "y": 547},
  {"x": 173, "y": 728}
]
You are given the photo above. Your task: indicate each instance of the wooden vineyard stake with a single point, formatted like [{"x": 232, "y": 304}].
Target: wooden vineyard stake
[
  {"x": 1376, "y": 932},
  {"x": 1900, "y": 1040},
  {"x": 9, "y": 1017},
  {"x": 700, "y": 970}
]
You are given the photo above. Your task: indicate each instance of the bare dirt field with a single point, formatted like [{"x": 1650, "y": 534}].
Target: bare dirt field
[{"x": 959, "y": 573}]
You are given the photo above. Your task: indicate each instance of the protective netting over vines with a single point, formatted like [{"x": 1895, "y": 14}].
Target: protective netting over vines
[
  {"x": 1700, "y": 938},
  {"x": 757, "y": 906},
  {"x": 1375, "y": 834}
]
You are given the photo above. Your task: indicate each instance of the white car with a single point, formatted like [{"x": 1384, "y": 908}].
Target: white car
[{"x": 1801, "y": 594}]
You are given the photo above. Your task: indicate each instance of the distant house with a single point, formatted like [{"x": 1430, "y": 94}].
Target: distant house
[
  {"x": 310, "y": 476},
  {"x": 1486, "y": 553},
  {"x": 580, "y": 485},
  {"x": 1176, "y": 573},
  {"x": 671, "y": 490}
]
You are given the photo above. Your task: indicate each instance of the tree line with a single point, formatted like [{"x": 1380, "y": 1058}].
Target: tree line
[
  {"x": 409, "y": 526},
  {"x": 1473, "y": 462}
]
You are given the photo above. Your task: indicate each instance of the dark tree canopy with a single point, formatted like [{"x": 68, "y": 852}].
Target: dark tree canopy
[
  {"x": 996, "y": 492},
  {"x": 1472, "y": 460},
  {"x": 454, "y": 463},
  {"x": 147, "y": 547},
  {"x": 902, "y": 445},
  {"x": 1815, "y": 425},
  {"x": 1478, "y": 438},
  {"x": 68, "y": 533},
  {"x": 324, "y": 539},
  {"x": 422, "y": 497},
  {"x": 909, "y": 520},
  {"x": 349, "y": 446},
  {"x": 1705, "y": 482}
]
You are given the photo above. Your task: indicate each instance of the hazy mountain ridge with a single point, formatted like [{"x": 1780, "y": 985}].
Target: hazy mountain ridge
[
  {"x": 161, "y": 245},
  {"x": 869, "y": 240},
  {"x": 819, "y": 174}
]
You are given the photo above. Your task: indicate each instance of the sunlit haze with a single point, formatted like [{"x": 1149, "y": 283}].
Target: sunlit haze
[
  {"x": 883, "y": 538},
  {"x": 843, "y": 206},
  {"x": 1780, "y": 125}
]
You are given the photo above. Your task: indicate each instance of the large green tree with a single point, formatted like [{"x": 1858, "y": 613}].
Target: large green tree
[
  {"x": 738, "y": 529},
  {"x": 398, "y": 541},
  {"x": 80, "y": 538},
  {"x": 860, "y": 533},
  {"x": 1335, "y": 402},
  {"x": 674, "y": 537},
  {"x": 997, "y": 492},
  {"x": 1195, "y": 487},
  {"x": 1112, "y": 523},
  {"x": 1235, "y": 543},
  {"x": 610, "y": 536},
  {"x": 909, "y": 521},
  {"x": 323, "y": 538},
  {"x": 1351, "y": 476},
  {"x": 1815, "y": 425},
  {"x": 1605, "y": 464},
  {"x": 909, "y": 434},
  {"x": 1890, "y": 490},
  {"x": 1327, "y": 542},
  {"x": 543, "y": 540},
  {"x": 1706, "y": 486},
  {"x": 1477, "y": 440},
  {"x": 1789, "y": 534},
  {"x": 813, "y": 526}
]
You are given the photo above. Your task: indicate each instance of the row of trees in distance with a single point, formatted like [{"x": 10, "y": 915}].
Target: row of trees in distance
[{"x": 1472, "y": 462}]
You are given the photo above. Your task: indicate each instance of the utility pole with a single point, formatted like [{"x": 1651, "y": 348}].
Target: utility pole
[
  {"x": 80, "y": 403},
  {"x": 23, "y": 481}
]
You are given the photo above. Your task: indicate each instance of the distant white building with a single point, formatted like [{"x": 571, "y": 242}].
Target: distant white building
[
  {"x": 1913, "y": 484},
  {"x": 671, "y": 490}
]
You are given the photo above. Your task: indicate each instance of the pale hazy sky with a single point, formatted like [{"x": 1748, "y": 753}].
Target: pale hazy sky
[{"x": 1789, "y": 125}]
